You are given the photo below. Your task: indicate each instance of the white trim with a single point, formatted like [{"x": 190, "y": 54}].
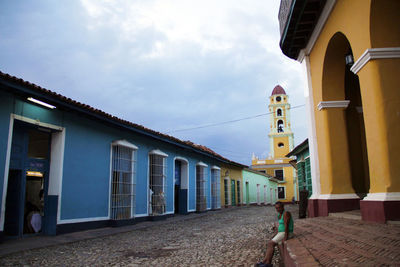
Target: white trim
[
  {"x": 375, "y": 53},
  {"x": 37, "y": 122},
  {"x": 192, "y": 210},
  {"x": 215, "y": 168},
  {"x": 6, "y": 170},
  {"x": 202, "y": 164},
  {"x": 312, "y": 135},
  {"x": 124, "y": 143},
  {"x": 169, "y": 212},
  {"x": 158, "y": 152},
  {"x": 338, "y": 196},
  {"x": 317, "y": 30},
  {"x": 333, "y": 104},
  {"x": 181, "y": 159},
  {"x": 387, "y": 196},
  {"x": 57, "y": 167},
  {"x": 65, "y": 221},
  {"x": 141, "y": 215},
  {"x": 277, "y": 192}
]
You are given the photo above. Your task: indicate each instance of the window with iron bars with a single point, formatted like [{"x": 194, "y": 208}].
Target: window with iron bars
[
  {"x": 226, "y": 192},
  {"x": 123, "y": 183},
  {"x": 201, "y": 201},
  {"x": 157, "y": 184},
  {"x": 215, "y": 188},
  {"x": 239, "y": 200}
]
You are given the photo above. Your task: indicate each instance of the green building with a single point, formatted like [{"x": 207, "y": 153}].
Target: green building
[
  {"x": 259, "y": 188},
  {"x": 302, "y": 164}
]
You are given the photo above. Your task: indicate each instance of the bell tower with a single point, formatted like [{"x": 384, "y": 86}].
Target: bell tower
[{"x": 280, "y": 133}]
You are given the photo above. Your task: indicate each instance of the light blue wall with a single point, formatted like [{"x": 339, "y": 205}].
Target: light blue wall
[
  {"x": 86, "y": 169},
  {"x": 5, "y": 109}
]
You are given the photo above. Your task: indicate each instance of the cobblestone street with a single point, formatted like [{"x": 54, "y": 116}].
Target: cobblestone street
[{"x": 230, "y": 237}]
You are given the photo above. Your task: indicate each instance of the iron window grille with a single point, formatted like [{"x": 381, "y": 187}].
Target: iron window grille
[
  {"x": 215, "y": 188},
  {"x": 238, "y": 192},
  {"x": 123, "y": 184},
  {"x": 201, "y": 200},
  {"x": 157, "y": 183},
  {"x": 226, "y": 191}
]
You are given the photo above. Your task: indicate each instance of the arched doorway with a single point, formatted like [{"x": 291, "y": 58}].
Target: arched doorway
[
  {"x": 181, "y": 181},
  {"x": 345, "y": 153}
]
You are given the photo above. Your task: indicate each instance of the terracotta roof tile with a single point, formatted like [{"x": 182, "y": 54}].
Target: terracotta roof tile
[{"x": 68, "y": 100}]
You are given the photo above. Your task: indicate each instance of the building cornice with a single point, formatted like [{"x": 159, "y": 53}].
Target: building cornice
[
  {"x": 326, "y": 11},
  {"x": 333, "y": 104},
  {"x": 375, "y": 53}
]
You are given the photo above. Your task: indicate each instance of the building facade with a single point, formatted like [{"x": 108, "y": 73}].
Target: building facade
[
  {"x": 281, "y": 143},
  {"x": 259, "y": 188},
  {"x": 303, "y": 166},
  {"x": 75, "y": 167},
  {"x": 231, "y": 185},
  {"x": 351, "y": 50}
]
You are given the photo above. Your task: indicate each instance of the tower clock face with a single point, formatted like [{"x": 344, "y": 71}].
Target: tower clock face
[{"x": 278, "y": 99}]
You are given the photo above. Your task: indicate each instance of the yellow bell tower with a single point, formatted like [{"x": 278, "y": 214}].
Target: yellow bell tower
[
  {"x": 280, "y": 134},
  {"x": 281, "y": 143}
]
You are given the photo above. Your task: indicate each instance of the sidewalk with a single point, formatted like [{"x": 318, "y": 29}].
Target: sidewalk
[{"x": 333, "y": 241}]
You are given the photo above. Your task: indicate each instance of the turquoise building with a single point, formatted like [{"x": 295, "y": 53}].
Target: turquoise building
[
  {"x": 302, "y": 154},
  {"x": 259, "y": 188}
]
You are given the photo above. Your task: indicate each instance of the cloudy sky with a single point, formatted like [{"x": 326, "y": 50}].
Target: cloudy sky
[{"x": 169, "y": 65}]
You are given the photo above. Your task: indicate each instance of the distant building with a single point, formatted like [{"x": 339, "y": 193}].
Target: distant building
[
  {"x": 259, "y": 188},
  {"x": 351, "y": 51},
  {"x": 231, "y": 185},
  {"x": 281, "y": 142}
]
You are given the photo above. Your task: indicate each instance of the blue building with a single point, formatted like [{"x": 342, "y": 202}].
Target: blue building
[{"x": 65, "y": 166}]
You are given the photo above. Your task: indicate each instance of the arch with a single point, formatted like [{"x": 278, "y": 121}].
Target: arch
[
  {"x": 181, "y": 185},
  {"x": 279, "y": 112},
  {"x": 384, "y": 23},
  {"x": 279, "y": 126},
  {"x": 345, "y": 152}
]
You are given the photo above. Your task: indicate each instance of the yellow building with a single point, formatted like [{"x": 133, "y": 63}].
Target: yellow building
[
  {"x": 351, "y": 50},
  {"x": 231, "y": 185},
  {"x": 281, "y": 143}
]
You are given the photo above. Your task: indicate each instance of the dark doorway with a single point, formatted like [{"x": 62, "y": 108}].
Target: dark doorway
[
  {"x": 356, "y": 135},
  {"x": 27, "y": 180},
  {"x": 178, "y": 171}
]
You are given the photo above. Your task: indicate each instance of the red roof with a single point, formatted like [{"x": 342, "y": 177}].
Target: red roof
[
  {"x": 278, "y": 90},
  {"x": 8, "y": 77}
]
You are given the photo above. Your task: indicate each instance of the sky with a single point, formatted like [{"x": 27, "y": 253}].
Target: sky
[{"x": 169, "y": 65}]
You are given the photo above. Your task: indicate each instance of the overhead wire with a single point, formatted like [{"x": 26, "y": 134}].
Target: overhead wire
[{"x": 226, "y": 122}]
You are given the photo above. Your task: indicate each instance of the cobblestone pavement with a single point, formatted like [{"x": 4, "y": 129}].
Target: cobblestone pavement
[{"x": 230, "y": 237}]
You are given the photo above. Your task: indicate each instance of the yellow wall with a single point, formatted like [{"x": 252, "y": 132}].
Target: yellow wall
[
  {"x": 281, "y": 152},
  {"x": 379, "y": 83},
  {"x": 288, "y": 173},
  {"x": 233, "y": 173}
]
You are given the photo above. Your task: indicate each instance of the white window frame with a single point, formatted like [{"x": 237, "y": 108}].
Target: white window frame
[
  {"x": 283, "y": 173},
  {"x": 284, "y": 188},
  {"x": 116, "y": 198}
]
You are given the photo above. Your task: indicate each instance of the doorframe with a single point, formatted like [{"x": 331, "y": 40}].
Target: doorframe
[{"x": 56, "y": 162}]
